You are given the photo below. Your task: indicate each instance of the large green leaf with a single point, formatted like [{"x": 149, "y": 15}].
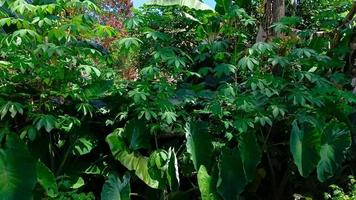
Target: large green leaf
[
  {"x": 136, "y": 135},
  {"x": 17, "y": 170},
  {"x": 232, "y": 179},
  {"x": 250, "y": 154},
  {"x": 132, "y": 161},
  {"x": 237, "y": 167},
  {"x": 334, "y": 142},
  {"x": 47, "y": 180},
  {"x": 305, "y": 145},
  {"x": 207, "y": 185},
  {"x": 115, "y": 189},
  {"x": 193, "y": 4},
  {"x": 199, "y": 144}
]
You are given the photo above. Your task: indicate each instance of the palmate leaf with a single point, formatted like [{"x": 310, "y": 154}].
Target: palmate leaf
[
  {"x": 334, "y": 142},
  {"x": 17, "y": 170},
  {"x": 304, "y": 146},
  {"x": 199, "y": 144},
  {"x": 193, "y": 4},
  {"x": 224, "y": 69},
  {"x": 116, "y": 189},
  {"x": 132, "y": 161}
]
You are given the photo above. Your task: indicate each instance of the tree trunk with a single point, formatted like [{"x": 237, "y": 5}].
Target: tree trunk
[{"x": 274, "y": 11}]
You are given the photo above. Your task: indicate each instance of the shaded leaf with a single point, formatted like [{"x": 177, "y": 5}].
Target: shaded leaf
[
  {"x": 334, "y": 142},
  {"x": 47, "y": 180},
  {"x": 199, "y": 144},
  {"x": 116, "y": 189},
  {"x": 304, "y": 145},
  {"x": 17, "y": 170}
]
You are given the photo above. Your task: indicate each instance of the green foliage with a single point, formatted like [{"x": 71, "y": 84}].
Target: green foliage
[
  {"x": 181, "y": 101},
  {"x": 339, "y": 193},
  {"x": 193, "y": 4}
]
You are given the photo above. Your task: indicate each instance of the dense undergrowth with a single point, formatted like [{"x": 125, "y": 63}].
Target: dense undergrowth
[{"x": 181, "y": 103}]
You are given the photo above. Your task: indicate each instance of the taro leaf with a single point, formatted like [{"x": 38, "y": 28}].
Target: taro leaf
[
  {"x": 136, "y": 135},
  {"x": 163, "y": 166},
  {"x": 132, "y": 161},
  {"x": 304, "y": 145},
  {"x": 250, "y": 154},
  {"x": 238, "y": 167},
  {"x": 232, "y": 179},
  {"x": 172, "y": 170},
  {"x": 17, "y": 170},
  {"x": 192, "y": 4},
  {"x": 199, "y": 144},
  {"x": 334, "y": 142},
  {"x": 46, "y": 179},
  {"x": 207, "y": 185},
  {"x": 115, "y": 189},
  {"x": 157, "y": 166}
]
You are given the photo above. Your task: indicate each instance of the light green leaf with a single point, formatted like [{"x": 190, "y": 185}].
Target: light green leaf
[
  {"x": 193, "y": 4},
  {"x": 207, "y": 185},
  {"x": 79, "y": 183},
  {"x": 132, "y": 161}
]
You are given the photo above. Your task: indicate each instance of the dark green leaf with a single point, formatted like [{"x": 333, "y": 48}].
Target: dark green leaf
[
  {"x": 305, "y": 146},
  {"x": 199, "y": 144},
  {"x": 115, "y": 189},
  {"x": 47, "y": 180},
  {"x": 334, "y": 142},
  {"x": 17, "y": 170}
]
